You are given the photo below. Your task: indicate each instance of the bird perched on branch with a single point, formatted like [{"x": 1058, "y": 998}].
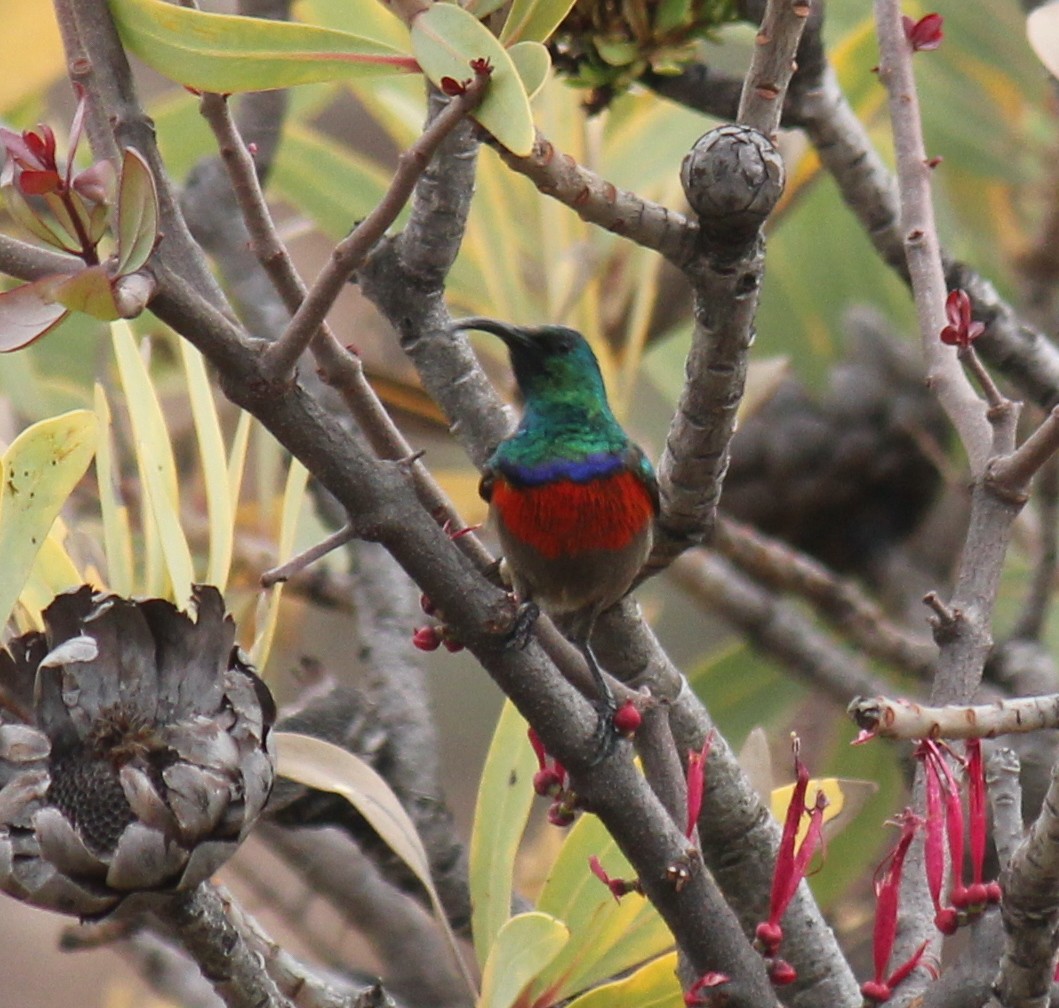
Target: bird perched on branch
[{"x": 572, "y": 497}]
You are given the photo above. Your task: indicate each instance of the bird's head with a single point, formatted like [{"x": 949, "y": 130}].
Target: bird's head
[{"x": 549, "y": 361}]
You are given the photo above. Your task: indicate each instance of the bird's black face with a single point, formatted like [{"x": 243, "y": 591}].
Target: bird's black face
[{"x": 549, "y": 359}]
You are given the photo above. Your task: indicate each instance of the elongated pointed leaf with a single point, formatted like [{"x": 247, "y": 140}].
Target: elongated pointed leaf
[
  {"x": 606, "y": 937},
  {"x": 505, "y": 794},
  {"x": 27, "y": 312},
  {"x": 322, "y": 765},
  {"x": 524, "y": 947},
  {"x": 137, "y": 213},
  {"x": 652, "y": 986},
  {"x": 293, "y": 495},
  {"x": 534, "y": 20},
  {"x": 117, "y": 536},
  {"x": 225, "y": 53},
  {"x": 445, "y": 39},
  {"x": 40, "y": 470}
]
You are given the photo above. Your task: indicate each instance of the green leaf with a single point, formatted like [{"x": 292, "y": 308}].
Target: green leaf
[
  {"x": 225, "y": 53},
  {"x": 505, "y": 794},
  {"x": 607, "y": 937},
  {"x": 117, "y": 537},
  {"x": 160, "y": 515},
  {"x": 483, "y": 8},
  {"x": 532, "y": 61},
  {"x": 652, "y": 986},
  {"x": 40, "y": 470},
  {"x": 137, "y": 213},
  {"x": 27, "y": 312},
  {"x": 293, "y": 495},
  {"x": 445, "y": 39},
  {"x": 533, "y": 20},
  {"x": 220, "y": 502},
  {"x": 524, "y": 947}
]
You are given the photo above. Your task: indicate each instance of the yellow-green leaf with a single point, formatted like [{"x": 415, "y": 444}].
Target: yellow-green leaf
[
  {"x": 40, "y": 470},
  {"x": 165, "y": 547},
  {"x": 532, "y": 62},
  {"x": 445, "y": 39},
  {"x": 327, "y": 767},
  {"x": 220, "y": 502},
  {"x": 137, "y": 213},
  {"x": 505, "y": 794},
  {"x": 226, "y": 53},
  {"x": 534, "y": 20},
  {"x": 86, "y": 291},
  {"x": 652, "y": 986},
  {"x": 524, "y": 947},
  {"x": 293, "y": 494},
  {"x": 117, "y": 537},
  {"x": 607, "y": 937}
]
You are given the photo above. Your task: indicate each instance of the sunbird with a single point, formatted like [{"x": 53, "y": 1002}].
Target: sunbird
[{"x": 572, "y": 497}]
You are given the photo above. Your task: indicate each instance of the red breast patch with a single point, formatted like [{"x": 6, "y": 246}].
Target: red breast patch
[{"x": 565, "y": 518}]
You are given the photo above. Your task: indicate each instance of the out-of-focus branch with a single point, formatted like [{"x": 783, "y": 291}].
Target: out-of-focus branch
[
  {"x": 838, "y": 600},
  {"x": 1031, "y": 911},
  {"x": 920, "y": 236},
  {"x": 775, "y": 627}
]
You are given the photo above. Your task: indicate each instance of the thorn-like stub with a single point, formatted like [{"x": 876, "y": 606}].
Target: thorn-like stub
[{"x": 733, "y": 177}]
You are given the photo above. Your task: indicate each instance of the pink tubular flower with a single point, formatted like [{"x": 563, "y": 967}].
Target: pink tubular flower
[
  {"x": 887, "y": 891},
  {"x": 961, "y": 331},
  {"x": 925, "y": 34},
  {"x": 695, "y": 993},
  {"x": 697, "y": 783},
  {"x": 791, "y": 864}
]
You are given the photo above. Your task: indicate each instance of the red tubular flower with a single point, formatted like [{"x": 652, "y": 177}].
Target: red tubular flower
[
  {"x": 791, "y": 864},
  {"x": 925, "y": 34},
  {"x": 697, "y": 783},
  {"x": 961, "y": 331},
  {"x": 935, "y": 768},
  {"x": 550, "y": 779},
  {"x": 887, "y": 890},
  {"x": 618, "y": 886},
  {"x": 977, "y": 893}
]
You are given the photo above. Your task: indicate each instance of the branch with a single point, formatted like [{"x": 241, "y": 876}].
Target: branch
[
  {"x": 903, "y": 719},
  {"x": 283, "y": 355},
  {"x": 922, "y": 248},
  {"x": 776, "y": 628},
  {"x": 838, "y": 600},
  {"x": 772, "y": 65},
  {"x": 201, "y": 920},
  {"x": 1031, "y": 911}
]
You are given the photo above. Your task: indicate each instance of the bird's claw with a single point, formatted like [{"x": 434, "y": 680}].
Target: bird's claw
[
  {"x": 526, "y": 616},
  {"x": 606, "y": 736}
]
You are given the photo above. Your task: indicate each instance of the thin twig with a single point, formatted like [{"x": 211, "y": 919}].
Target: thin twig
[
  {"x": 920, "y": 236},
  {"x": 307, "y": 557},
  {"x": 1037, "y": 603},
  {"x": 282, "y": 356}
]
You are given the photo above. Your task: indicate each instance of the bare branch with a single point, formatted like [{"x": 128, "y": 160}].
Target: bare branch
[
  {"x": 1031, "y": 911},
  {"x": 903, "y": 719},
  {"x": 772, "y": 65}
]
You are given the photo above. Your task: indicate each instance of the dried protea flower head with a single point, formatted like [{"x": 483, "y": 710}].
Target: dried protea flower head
[
  {"x": 133, "y": 750},
  {"x": 607, "y": 45}
]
